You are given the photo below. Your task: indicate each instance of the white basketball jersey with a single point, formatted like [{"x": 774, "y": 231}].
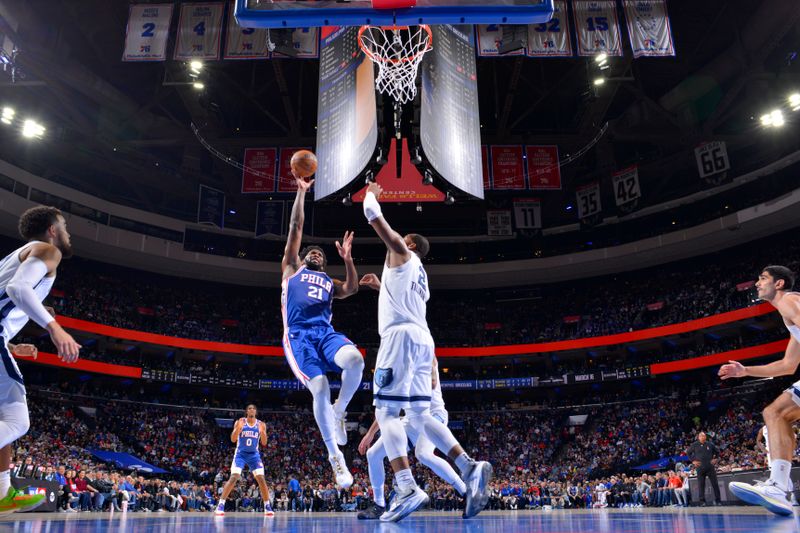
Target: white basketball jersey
[{"x": 403, "y": 296}]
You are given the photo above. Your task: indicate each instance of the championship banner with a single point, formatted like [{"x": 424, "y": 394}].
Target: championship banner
[
  {"x": 498, "y": 223},
  {"x": 258, "y": 176},
  {"x": 211, "y": 207},
  {"x": 712, "y": 158},
  {"x": 269, "y": 218},
  {"x": 649, "y": 28},
  {"x": 588, "y": 198},
  {"x": 626, "y": 185},
  {"x": 286, "y": 182},
  {"x": 528, "y": 213},
  {"x": 305, "y": 42},
  {"x": 551, "y": 39},
  {"x": 245, "y": 43},
  {"x": 490, "y": 38},
  {"x": 544, "y": 170},
  {"x": 487, "y": 184},
  {"x": 597, "y": 26},
  {"x": 147, "y": 32},
  {"x": 199, "y": 31},
  {"x": 508, "y": 171}
]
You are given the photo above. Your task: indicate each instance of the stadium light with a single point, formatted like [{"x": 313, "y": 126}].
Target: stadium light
[
  {"x": 599, "y": 81},
  {"x": 794, "y": 101},
  {"x": 8, "y": 115},
  {"x": 601, "y": 57},
  {"x": 32, "y": 129},
  {"x": 773, "y": 119},
  {"x": 449, "y": 199},
  {"x": 198, "y": 85},
  {"x": 196, "y": 66}
]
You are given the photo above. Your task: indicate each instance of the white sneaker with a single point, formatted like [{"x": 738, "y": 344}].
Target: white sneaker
[
  {"x": 220, "y": 510},
  {"x": 344, "y": 479},
  {"x": 764, "y": 493},
  {"x": 404, "y": 503},
  {"x": 340, "y": 432},
  {"x": 477, "y": 478}
]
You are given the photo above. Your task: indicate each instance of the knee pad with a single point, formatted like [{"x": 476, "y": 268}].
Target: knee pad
[{"x": 348, "y": 356}]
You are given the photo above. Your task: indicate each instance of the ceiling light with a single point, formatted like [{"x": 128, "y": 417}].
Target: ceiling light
[
  {"x": 198, "y": 85},
  {"x": 30, "y": 129},
  {"x": 449, "y": 199},
  {"x": 766, "y": 120},
  {"x": 777, "y": 118},
  {"x": 196, "y": 65},
  {"x": 601, "y": 57},
  {"x": 794, "y": 101},
  {"x": 599, "y": 81}
]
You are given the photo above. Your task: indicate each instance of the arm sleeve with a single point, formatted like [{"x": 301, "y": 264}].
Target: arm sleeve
[
  {"x": 372, "y": 209},
  {"x": 20, "y": 290}
]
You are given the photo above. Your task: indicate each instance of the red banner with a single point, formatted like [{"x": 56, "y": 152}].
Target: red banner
[
  {"x": 655, "y": 306},
  {"x": 746, "y": 285},
  {"x": 262, "y": 161},
  {"x": 544, "y": 171},
  {"x": 508, "y": 170},
  {"x": 404, "y": 187},
  {"x": 285, "y": 178},
  {"x": 572, "y": 319},
  {"x": 485, "y": 162},
  {"x": 720, "y": 358},
  {"x": 86, "y": 365}
]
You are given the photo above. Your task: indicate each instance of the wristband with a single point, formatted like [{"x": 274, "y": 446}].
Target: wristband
[{"x": 372, "y": 209}]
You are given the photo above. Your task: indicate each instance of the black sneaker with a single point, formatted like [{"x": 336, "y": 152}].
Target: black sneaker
[{"x": 372, "y": 513}]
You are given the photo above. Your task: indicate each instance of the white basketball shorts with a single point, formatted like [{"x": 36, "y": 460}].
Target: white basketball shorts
[{"x": 403, "y": 368}]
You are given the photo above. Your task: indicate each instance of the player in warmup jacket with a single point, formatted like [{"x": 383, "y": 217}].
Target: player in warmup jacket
[
  {"x": 26, "y": 277},
  {"x": 247, "y": 433},
  {"x": 403, "y": 370},
  {"x": 311, "y": 345},
  {"x": 774, "y": 285}
]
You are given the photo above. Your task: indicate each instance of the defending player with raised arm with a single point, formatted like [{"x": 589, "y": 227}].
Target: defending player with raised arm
[
  {"x": 404, "y": 366},
  {"x": 774, "y": 285},
  {"x": 311, "y": 345},
  {"x": 248, "y": 433},
  {"x": 26, "y": 277}
]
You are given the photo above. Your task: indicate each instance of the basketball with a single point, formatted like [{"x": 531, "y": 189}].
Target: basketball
[{"x": 304, "y": 163}]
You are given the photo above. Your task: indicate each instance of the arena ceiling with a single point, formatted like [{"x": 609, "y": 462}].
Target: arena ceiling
[{"x": 122, "y": 130}]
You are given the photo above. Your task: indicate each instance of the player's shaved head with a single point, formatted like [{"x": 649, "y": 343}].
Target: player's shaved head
[{"x": 421, "y": 244}]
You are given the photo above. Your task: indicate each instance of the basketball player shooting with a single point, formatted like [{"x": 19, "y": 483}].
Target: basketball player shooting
[
  {"x": 311, "y": 345},
  {"x": 774, "y": 285},
  {"x": 404, "y": 366},
  {"x": 26, "y": 277},
  {"x": 247, "y": 434}
]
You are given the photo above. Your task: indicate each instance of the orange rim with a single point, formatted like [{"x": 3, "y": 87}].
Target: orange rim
[{"x": 380, "y": 59}]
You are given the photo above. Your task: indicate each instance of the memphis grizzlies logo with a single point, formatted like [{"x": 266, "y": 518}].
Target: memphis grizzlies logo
[{"x": 383, "y": 377}]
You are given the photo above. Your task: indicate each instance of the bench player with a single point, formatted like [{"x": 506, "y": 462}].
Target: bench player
[
  {"x": 247, "y": 433},
  {"x": 311, "y": 345},
  {"x": 774, "y": 285},
  {"x": 403, "y": 369}
]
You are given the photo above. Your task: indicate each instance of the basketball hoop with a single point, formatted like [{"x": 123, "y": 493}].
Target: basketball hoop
[{"x": 398, "y": 51}]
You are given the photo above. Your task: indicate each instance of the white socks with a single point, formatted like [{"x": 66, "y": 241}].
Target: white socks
[
  {"x": 323, "y": 413},
  {"x": 463, "y": 461},
  {"x": 5, "y": 483},
  {"x": 780, "y": 473},
  {"x": 404, "y": 479},
  {"x": 377, "y": 475}
]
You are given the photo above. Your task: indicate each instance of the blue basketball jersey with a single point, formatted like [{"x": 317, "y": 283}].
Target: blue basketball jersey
[
  {"x": 248, "y": 439},
  {"x": 307, "y": 298}
]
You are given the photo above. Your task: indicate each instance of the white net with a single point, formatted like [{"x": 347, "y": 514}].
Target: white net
[{"x": 397, "y": 51}]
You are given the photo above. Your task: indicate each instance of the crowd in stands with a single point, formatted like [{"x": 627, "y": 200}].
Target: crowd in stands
[
  {"x": 684, "y": 291},
  {"x": 540, "y": 459}
]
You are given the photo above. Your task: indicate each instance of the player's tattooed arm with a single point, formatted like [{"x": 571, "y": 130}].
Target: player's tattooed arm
[
  {"x": 295, "y": 237},
  {"x": 350, "y": 285}
]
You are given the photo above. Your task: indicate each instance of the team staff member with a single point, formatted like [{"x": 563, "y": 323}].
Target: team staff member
[{"x": 701, "y": 452}]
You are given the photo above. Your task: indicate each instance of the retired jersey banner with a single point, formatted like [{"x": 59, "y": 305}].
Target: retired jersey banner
[
  {"x": 258, "y": 175},
  {"x": 649, "y": 28},
  {"x": 712, "y": 158},
  {"x": 286, "y": 182},
  {"x": 588, "y": 200},
  {"x": 245, "y": 43},
  {"x": 305, "y": 42},
  {"x": 544, "y": 170},
  {"x": 508, "y": 171},
  {"x": 626, "y": 185},
  {"x": 597, "y": 26},
  {"x": 487, "y": 184},
  {"x": 211, "y": 207},
  {"x": 490, "y": 38},
  {"x": 528, "y": 213},
  {"x": 551, "y": 39},
  {"x": 199, "y": 31},
  {"x": 147, "y": 32}
]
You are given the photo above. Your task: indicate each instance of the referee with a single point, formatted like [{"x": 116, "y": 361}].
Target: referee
[{"x": 700, "y": 453}]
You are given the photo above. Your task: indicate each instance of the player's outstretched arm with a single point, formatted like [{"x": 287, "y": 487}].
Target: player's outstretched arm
[
  {"x": 295, "y": 237},
  {"x": 350, "y": 285},
  {"x": 371, "y": 280},
  {"x": 42, "y": 260},
  {"x": 785, "y": 367},
  {"x": 372, "y": 210}
]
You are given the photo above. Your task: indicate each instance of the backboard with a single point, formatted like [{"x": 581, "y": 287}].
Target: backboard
[{"x": 302, "y": 14}]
